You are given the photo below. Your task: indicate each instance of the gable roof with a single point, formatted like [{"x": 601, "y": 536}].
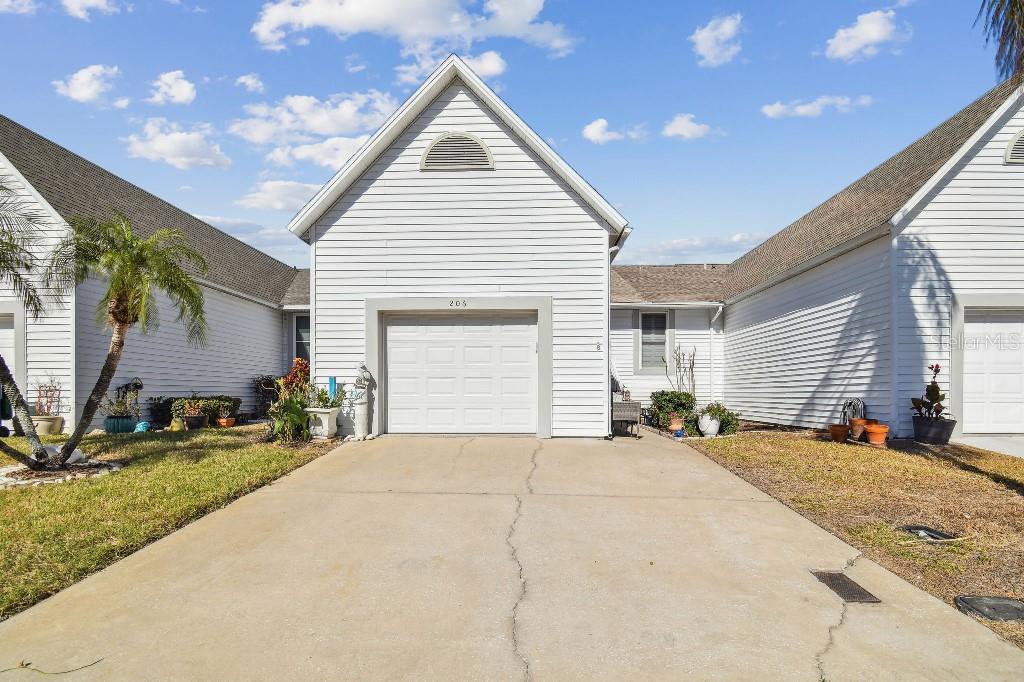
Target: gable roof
[
  {"x": 668, "y": 283},
  {"x": 76, "y": 187},
  {"x": 450, "y": 69},
  {"x": 870, "y": 202},
  {"x": 297, "y": 293}
]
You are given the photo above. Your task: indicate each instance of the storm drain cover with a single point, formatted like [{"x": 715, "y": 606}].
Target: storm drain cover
[
  {"x": 845, "y": 587},
  {"x": 993, "y": 608},
  {"x": 926, "y": 533}
]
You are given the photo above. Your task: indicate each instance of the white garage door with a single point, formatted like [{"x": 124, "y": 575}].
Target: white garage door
[
  {"x": 993, "y": 371},
  {"x": 461, "y": 373}
]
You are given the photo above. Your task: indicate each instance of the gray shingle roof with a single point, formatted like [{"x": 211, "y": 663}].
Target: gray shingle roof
[
  {"x": 868, "y": 203},
  {"x": 668, "y": 283},
  {"x": 76, "y": 187},
  {"x": 298, "y": 290}
]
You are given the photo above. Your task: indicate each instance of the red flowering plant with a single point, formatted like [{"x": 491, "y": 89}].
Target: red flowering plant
[
  {"x": 297, "y": 379},
  {"x": 930, "y": 404}
]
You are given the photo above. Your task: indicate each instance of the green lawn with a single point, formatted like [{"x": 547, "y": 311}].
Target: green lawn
[{"x": 51, "y": 536}]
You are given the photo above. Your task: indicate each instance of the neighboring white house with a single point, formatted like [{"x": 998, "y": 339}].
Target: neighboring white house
[
  {"x": 469, "y": 267},
  {"x": 249, "y": 295}
]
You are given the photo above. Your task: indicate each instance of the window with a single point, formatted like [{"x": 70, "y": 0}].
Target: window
[
  {"x": 653, "y": 341},
  {"x": 1015, "y": 150},
  {"x": 302, "y": 337},
  {"x": 457, "y": 151}
]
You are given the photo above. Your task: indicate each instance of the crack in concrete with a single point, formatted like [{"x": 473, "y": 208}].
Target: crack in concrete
[
  {"x": 458, "y": 454},
  {"x": 514, "y": 551},
  {"x": 819, "y": 657},
  {"x": 533, "y": 466}
]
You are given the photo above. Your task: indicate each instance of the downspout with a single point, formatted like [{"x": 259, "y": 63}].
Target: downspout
[
  {"x": 711, "y": 352},
  {"x": 612, "y": 252}
]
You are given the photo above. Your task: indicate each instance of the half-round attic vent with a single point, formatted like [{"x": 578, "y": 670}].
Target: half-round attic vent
[
  {"x": 457, "y": 151},
  {"x": 1015, "y": 150}
]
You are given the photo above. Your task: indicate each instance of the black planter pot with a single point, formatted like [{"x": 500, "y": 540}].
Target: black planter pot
[
  {"x": 198, "y": 422},
  {"x": 933, "y": 431}
]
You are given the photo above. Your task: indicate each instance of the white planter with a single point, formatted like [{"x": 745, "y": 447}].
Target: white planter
[
  {"x": 708, "y": 425},
  {"x": 323, "y": 421},
  {"x": 361, "y": 416}
]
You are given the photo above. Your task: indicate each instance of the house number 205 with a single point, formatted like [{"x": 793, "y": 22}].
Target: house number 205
[{"x": 457, "y": 303}]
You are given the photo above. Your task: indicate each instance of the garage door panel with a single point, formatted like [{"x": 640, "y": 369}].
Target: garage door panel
[
  {"x": 993, "y": 374},
  {"x": 472, "y": 373}
]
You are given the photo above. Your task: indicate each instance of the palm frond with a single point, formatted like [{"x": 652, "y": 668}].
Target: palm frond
[{"x": 1003, "y": 23}]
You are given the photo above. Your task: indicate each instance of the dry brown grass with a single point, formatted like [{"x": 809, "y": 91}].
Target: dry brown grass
[{"x": 864, "y": 494}]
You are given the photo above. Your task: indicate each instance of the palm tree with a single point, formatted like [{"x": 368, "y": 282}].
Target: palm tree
[
  {"x": 1004, "y": 24},
  {"x": 19, "y": 230},
  {"x": 135, "y": 269}
]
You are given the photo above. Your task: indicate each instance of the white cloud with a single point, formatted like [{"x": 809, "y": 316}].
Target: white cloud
[
  {"x": 353, "y": 64},
  {"x": 716, "y": 43},
  {"x": 80, "y": 8},
  {"x": 488, "y": 64},
  {"x": 88, "y": 84},
  {"x": 691, "y": 250},
  {"x": 172, "y": 88},
  {"x": 251, "y": 82},
  {"x": 279, "y": 195},
  {"x": 277, "y": 241},
  {"x": 865, "y": 37},
  {"x": 303, "y": 118},
  {"x": 598, "y": 132},
  {"x": 425, "y": 29},
  {"x": 686, "y": 127},
  {"x": 815, "y": 108},
  {"x": 167, "y": 142},
  {"x": 18, "y": 6},
  {"x": 122, "y": 102},
  {"x": 331, "y": 153}
]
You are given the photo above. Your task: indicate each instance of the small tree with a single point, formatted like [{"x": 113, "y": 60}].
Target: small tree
[
  {"x": 19, "y": 230},
  {"x": 135, "y": 269}
]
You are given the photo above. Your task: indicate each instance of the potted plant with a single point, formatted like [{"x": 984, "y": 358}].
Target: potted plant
[
  {"x": 323, "y": 409},
  {"x": 224, "y": 414},
  {"x": 675, "y": 422},
  {"x": 857, "y": 425},
  {"x": 876, "y": 433},
  {"x": 839, "y": 432},
  {"x": 47, "y": 419},
  {"x": 715, "y": 418},
  {"x": 193, "y": 414},
  {"x": 122, "y": 412},
  {"x": 930, "y": 422}
]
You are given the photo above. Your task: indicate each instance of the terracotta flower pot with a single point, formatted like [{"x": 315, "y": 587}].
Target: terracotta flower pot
[
  {"x": 225, "y": 421},
  {"x": 839, "y": 432},
  {"x": 857, "y": 425},
  {"x": 675, "y": 424},
  {"x": 877, "y": 433}
]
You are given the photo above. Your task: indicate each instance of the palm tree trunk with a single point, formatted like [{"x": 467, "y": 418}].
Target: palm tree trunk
[
  {"x": 117, "y": 338},
  {"x": 10, "y": 389}
]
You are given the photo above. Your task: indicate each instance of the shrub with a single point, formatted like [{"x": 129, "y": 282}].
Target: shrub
[
  {"x": 664, "y": 403},
  {"x": 321, "y": 398},
  {"x": 728, "y": 420},
  {"x": 212, "y": 406},
  {"x": 289, "y": 421}
]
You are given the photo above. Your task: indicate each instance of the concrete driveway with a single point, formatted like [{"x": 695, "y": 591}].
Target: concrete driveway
[{"x": 500, "y": 558}]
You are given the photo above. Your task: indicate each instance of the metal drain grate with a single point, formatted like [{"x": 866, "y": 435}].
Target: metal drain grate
[{"x": 845, "y": 587}]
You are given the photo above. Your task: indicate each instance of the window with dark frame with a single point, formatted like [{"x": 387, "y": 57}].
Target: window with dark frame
[
  {"x": 653, "y": 328},
  {"x": 302, "y": 337}
]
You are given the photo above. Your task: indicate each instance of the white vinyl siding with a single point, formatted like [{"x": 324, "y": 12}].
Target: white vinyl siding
[
  {"x": 692, "y": 333},
  {"x": 517, "y": 230},
  {"x": 795, "y": 351},
  {"x": 967, "y": 239},
  {"x": 48, "y": 340},
  {"x": 243, "y": 341}
]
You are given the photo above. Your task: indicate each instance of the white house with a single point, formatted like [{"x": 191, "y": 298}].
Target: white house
[{"x": 469, "y": 267}]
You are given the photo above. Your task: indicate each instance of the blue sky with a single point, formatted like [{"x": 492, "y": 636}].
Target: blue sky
[{"x": 710, "y": 125}]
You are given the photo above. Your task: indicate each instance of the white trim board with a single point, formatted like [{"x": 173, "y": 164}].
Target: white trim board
[{"x": 451, "y": 69}]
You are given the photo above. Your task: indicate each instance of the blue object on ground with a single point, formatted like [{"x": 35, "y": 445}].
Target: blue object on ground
[
  {"x": 680, "y": 433},
  {"x": 142, "y": 427}
]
